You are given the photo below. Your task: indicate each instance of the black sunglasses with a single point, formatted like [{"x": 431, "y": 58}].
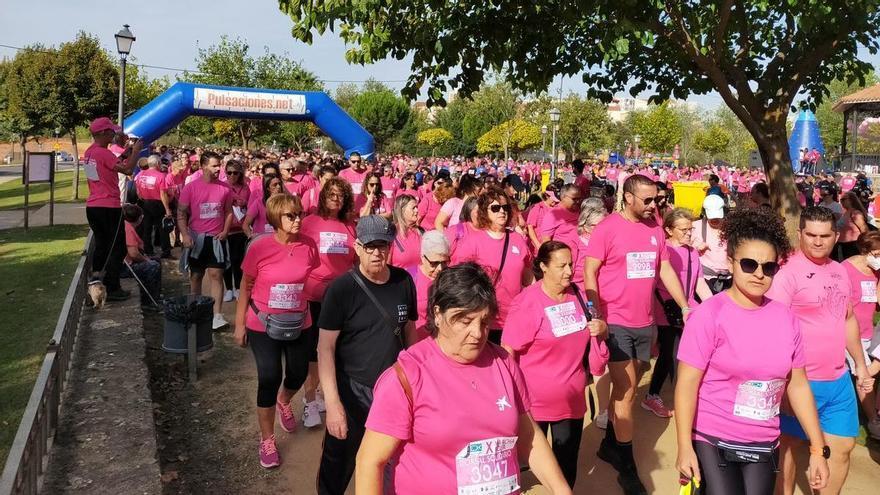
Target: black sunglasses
[
  {"x": 233, "y": 172},
  {"x": 293, "y": 216},
  {"x": 497, "y": 208},
  {"x": 646, "y": 201},
  {"x": 749, "y": 265},
  {"x": 435, "y": 264}
]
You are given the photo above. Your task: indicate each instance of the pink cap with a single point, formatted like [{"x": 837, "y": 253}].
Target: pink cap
[{"x": 102, "y": 124}]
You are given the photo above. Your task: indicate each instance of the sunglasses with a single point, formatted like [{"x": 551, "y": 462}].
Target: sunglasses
[
  {"x": 355, "y": 161},
  {"x": 498, "y": 208},
  {"x": 293, "y": 216},
  {"x": 646, "y": 201},
  {"x": 233, "y": 172},
  {"x": 289, "y": 169},
  {"x": 749, "y": 265},
  {"x": 435, "y": 264},
  {"x": 373, "y": 184},
  {"x": 660, "y": 199}
]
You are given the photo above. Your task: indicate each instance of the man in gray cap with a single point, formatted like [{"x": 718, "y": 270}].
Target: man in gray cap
[{"x": 369, "y": 316}]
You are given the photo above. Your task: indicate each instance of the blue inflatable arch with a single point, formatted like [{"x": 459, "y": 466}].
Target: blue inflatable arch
[{"x": 184, "y": 99}]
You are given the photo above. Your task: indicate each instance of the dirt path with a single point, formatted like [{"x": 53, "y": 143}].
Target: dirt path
[{"x": 207, "y": 433}]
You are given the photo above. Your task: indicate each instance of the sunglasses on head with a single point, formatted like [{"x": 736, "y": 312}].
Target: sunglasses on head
[
  {"x": 768, "y": 268},
  {"x": 497, "y": 208}
]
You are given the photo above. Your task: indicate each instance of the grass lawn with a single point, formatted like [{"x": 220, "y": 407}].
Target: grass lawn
[
  {"x": 35, "y": 271},
  {"x": 12, "y": 192}
]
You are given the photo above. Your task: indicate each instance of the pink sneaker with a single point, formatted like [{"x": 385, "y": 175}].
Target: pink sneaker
[
  {"x": 269, "y": 457},
  {"x": 655, "y": 404},
  {"x": 286, "y": 417}
]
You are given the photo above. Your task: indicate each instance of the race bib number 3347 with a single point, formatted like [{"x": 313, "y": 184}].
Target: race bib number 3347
[{"x": 488, "y": 467}]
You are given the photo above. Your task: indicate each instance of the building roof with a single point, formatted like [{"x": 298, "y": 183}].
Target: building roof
[{"x": 870, "y": 94}]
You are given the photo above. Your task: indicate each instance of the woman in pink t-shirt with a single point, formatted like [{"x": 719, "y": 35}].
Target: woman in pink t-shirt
[
  {"x": 372, "y": 201},
  {"x": 740, "y": 353},
  {"x": 275, "y": 271},
  {"x": 409, "y": 186},
  {"x": 548, "y": 333},
  {"x": 473, "y": 443},
  {"x": 255, "y": 222},
  {"x": 468, "y": 186},
  {"x": 432, "y": 201},
  {"x": 504, "y": 254},
  {"x": 864, "y": 272},
  {"x": 853, "y": 223},
  {"x": 434, "y": 257},
  {"x": 237, "y": 238},
  {"x": 406, "y": 248},
  {"x": 549, "y": 200}
]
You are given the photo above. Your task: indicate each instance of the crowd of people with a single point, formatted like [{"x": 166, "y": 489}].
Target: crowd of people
[{"x": 451, "y": 317}]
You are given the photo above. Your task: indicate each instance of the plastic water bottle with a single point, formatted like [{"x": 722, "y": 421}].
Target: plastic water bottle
[{"x": 592, "y": 314}]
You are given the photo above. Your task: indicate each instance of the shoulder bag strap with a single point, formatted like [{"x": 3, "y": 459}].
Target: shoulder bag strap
[
  {"x": 388, "y": 320},
  {"x": 704, "y": 229},
  {"x": 260, "y": 316},
  {"x": 586, "y": 359},
  {"x": 687, "y": 289},
  {"x": 503, "y": 256},
  {"x": 404, "y": 383}
]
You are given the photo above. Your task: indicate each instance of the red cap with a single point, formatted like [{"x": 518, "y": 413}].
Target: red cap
[{"x": 102, "y": 124}]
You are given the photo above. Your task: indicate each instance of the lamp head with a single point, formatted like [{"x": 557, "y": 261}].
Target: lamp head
[{"x": 124, "y": 40}]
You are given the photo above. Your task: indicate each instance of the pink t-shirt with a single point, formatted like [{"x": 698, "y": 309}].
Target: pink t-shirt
[
  {"x": 423, "y": 285},
  {"x": 452, "y": 207},
  {"x": 746, "y": 356},
  {"x": 381, "y": 207},
  {"x": 240, "y": 197},
  {"x": 456, "y": 233},
  {"x": 256, "y": 212},
  {"x": 300, "y": 183},
  {"x": 481, "y": 248},
  {"x": 149, "y": 184},
  {"x": 132, "y": 239},
  {"x": 356, "y": 179},
  {"x": 335, "y": 241},
  {"x": 549, "y": 338},
  {"x": 389, "y": 186},
  {"x": 559, "y": 224},
  {"x": 819, "y": 295},
  {"x": 864, "y": 299},
  {"x": 280, "y": 272},
  {"x": 715, "y": 256},
  {"x": 209, "y": 203},
  {"x": 445, "y": 442},
  {"x": 414, "y": 193},
  {"x": 406, "y": 250},
  {"x": 631, "y": 253},
  {"x": 174, "y": 183},
  {"x": 99, "y": 165},
  {"x": 310, "y": 200},
  {"x": 678, "y": 259},
  {"x": 536, "y": 212},
  {"x": 428, "y": 210},
  {"x": 579, "y": 258}
]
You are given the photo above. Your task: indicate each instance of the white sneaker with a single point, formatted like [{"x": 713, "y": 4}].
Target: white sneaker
[
  {"x": 235, "y": 293},
  {"x": 311, "y": 415},
  {"x": 227, "y": 296},
  {"x": 601, "y": 420},
  {"x": 219, "y": 322},
  {"x": 319, "y": 399}
]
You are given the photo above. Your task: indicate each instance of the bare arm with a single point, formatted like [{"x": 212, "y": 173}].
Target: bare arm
[
  {"x": 241, "y": 307},
  {"x": 376, "y": 449},
  {"x": 687, "y": 386},
  {"x": 128, "y": 165},
  {"x": 703, "y": 289},
  {"x": 336, "y": 422},
  {"x": 441, "y": 221},
  {"x": 183, "y": 224},
  {"x": 800, "y": 398},
  {"x": 247, "y": 225},
  {"x": 854, "y": 348},
  {"x": 409, "y": 332},
  {"x": 534, "y": 448},
  {"x": 591, "y": 279},
  {"x": 163, "y": 195}
]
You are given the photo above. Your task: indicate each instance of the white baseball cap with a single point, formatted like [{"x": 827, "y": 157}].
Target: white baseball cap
[{"x": 714, "y": 206}]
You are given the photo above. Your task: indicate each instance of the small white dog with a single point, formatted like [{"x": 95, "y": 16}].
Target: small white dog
[{"x": 98, "y": 293}]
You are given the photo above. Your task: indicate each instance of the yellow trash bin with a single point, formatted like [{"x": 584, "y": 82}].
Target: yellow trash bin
[{"x": 690, "y": 195}]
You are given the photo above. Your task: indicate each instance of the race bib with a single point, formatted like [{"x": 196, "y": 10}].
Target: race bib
[
  {"x": 333, "y": 243},
  {"x": 239, "y": 212},
  {"x": 641, "y": 264},
  {"x": 488, "y": 467},
  {"x": 356, "y": 187},
  {"x": 285, "y": 296},
  {"x": 91, "y": 169},
  {"x": 758, "y": 400},
  {"x": 869, "y": 291},
  {"x": 149, "y": 181},
  {"x": 564, "y": 319},
  {"x": 209, "y": 210}
]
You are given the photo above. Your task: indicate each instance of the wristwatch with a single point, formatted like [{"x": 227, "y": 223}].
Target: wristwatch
[{"x": 824, "y": 451}]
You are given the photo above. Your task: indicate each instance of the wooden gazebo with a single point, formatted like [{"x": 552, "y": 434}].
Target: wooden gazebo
[{"x": 856, "y": 108}]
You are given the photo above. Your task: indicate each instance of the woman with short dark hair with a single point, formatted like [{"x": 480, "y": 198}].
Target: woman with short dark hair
[{"x": 474, "y": 443}]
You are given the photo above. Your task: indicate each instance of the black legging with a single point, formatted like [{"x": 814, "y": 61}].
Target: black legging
[
  {"x": 268, "y": 353},
  {"x": 566, "y": 443},
  {"x": 232, "y": 275},
  {"x": 109, "y": 235},
  {"x": 735, "y": 478},
  {"x": 154, "y": 212},
  {"x": 664, "y": 367}
]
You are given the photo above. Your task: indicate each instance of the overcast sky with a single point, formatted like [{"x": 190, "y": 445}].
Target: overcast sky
[{"x": 170, "y": 32}]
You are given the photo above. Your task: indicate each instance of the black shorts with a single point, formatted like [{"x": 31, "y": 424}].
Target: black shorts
[
  {"x": 626, "y": 343},
  {"x": 206, "y": 258}
]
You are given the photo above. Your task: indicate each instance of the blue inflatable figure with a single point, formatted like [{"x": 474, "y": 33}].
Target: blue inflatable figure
[
  {"x": 184, "y": 99},
  {"x": 805, "y": 135}
]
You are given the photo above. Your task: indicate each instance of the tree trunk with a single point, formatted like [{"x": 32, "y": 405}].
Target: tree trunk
[
  {"x": 773, "y": 147},
  {"x": 75, "y": 163}
]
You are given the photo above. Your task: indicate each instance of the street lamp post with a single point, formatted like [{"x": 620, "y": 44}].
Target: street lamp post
[
  {"x": 544, "y": 139},
  {"x": 554, "y": 118},
  {"x": 637, "y": 140},
  {"x": 124, "y": 40}
]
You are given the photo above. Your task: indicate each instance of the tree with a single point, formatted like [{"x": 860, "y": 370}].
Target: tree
[
  {"x": 512, "y": 136},
  {"x": 229, "y": 63},
  {"x": 659, "y": 128},
  {"x": 584, "y": 125},
  {"x": 434, "y": 138},
  {"x": 382, "y": 113},
  {"x": 713, "y": 141},
  {"x": 741, "y": 141},
  {"x": 30, "y": 100},
  {"x": 758, "y": 55},
  {"x": 85, "y": 87},
  {"x": 451, "y": 118}
]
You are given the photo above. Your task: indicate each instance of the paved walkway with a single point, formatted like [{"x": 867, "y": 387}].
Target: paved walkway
[{"x": 65, "y": 214}]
